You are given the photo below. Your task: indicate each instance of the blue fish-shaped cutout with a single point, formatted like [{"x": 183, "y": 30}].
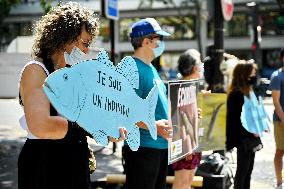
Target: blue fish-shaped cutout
[
  {"x": 254, "y": 117},
  {"x": 100, "y": 97}
]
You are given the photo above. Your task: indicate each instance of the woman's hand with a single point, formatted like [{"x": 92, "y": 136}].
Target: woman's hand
[
  {"x": 199, "y": 111},
  {"x": 256, "y": 135},
  {"x": 163, "y": 129},
  {"x": 123, "y": 135},
  {"x": 204, "y": 92},
  {"x": 188, "y": 157}
]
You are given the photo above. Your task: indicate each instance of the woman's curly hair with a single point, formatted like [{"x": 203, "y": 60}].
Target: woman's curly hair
[{"x": 62, "y": 25}]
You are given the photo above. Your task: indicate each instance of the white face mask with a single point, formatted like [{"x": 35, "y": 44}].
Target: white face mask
[
  {"x": 201, "y": 70},
  {"x": 75, "y": 56}
]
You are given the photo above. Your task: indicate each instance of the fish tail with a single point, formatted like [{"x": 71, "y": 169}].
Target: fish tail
[
  {"x": 133, "y": 138},
  {"x": 152, "y": 99}
]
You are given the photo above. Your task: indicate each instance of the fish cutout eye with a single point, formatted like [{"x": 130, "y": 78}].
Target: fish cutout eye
[{"x": 65, "y": 77}]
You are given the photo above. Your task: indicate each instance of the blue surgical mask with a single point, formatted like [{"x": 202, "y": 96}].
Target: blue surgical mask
[
  {"x": 75, "y": 56},
  {"x": 160, "y": 49}
]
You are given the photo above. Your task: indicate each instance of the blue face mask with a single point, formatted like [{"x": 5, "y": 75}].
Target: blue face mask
[{"x": 160, "y": 49}]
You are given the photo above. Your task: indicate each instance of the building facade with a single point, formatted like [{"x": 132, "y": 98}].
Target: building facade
[{"x": 191, "y": 26}]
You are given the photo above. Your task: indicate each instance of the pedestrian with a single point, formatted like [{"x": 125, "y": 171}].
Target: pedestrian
[
  {"x": 147, "y": 167},
  {"x": 276, "y": 86},
  {"x": 191, "y": 68},
  {"x": 209, "y": 66},
  {"x": 55, "y": 154},
  {"x": 244, "y": 78}
]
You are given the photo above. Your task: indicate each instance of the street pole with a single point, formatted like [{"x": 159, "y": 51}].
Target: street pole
[
  {"x": 112, "y": 40},
  {"x": 112, "y": 58},
  {"x": 256, "y": 34},
  {"x": 218, "y": 78}
]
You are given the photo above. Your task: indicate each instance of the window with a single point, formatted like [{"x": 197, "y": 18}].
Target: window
[
  {"x": 124, "y": 27},
  {"x": 181, "y": 27},
  {"x": 272, "y": 23},
  {"x": 236, "y": 27},
  {"x": 104, "y": 29},
  {"x": 11, "y": 30}
]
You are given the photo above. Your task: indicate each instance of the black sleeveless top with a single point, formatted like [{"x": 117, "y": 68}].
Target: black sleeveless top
[{"x": 52, "y": 164}]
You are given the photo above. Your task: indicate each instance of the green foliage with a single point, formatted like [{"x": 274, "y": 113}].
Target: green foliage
[
  {"x": 5, "y": 7},
  {"x": 46, "y": 5}
]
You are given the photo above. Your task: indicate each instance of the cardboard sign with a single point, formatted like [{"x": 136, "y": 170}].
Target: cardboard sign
[
  {"x": 212, "y": 126},
  {"x": 100, "y": 97},
  {"x": 183, "y": 118},
  {"x": 254, "y": 117}
]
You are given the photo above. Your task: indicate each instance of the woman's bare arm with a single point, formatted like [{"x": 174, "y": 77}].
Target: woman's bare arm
[{"x": 37, "y": 106}]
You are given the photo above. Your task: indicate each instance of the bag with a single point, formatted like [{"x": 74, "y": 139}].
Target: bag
[
  {"x": 216, "y": 172},
  {"x": 251, "y": 144}
]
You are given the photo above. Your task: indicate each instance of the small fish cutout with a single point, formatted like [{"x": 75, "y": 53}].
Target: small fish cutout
[{"x": 254, "y": 117}]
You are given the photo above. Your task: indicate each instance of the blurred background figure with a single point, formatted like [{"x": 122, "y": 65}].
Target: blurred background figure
[
  {"x": 209, "y": 66},
  {"x": 227, "y": 67},
  {"x": 276, "y": 86}
]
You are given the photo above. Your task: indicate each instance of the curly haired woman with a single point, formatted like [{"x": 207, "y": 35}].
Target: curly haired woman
[{"x": 55, "y": 154}]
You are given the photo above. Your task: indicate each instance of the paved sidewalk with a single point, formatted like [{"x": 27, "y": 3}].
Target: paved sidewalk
[{"x": 12, "y": 138}]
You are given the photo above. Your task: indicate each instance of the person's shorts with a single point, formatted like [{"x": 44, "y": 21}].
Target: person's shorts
[
  {"x": 188, "y": 164},
  {"x": 279, "y": 135}
]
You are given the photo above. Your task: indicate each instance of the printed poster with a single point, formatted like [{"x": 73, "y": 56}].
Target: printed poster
[
  {"x": 183, "y": 117},
  {"x": 212, "y": 126}
]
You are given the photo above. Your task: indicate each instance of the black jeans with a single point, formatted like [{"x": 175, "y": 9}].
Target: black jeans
[
  {"x": 245, "y": 162},
  {"x": 145, "y": 168}
]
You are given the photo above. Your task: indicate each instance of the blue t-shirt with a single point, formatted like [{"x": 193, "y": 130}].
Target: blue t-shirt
[
  {"x": 277, "y": 84},
  {"x": 147, "y": 76}
]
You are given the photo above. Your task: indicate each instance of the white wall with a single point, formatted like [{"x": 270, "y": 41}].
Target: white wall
[
  {"x": 21, "y": 44},
  {"x": 10, "y": 68}
]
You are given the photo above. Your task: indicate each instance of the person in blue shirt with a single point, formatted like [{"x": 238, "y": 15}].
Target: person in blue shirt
[
  {"x": 277, "y": 88},
  {"x": 147, "y": 167}
]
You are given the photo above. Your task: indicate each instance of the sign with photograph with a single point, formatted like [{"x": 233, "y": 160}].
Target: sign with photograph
[
  {"x": 212, "y": 126},
  {"x": 183, "y": 117}
]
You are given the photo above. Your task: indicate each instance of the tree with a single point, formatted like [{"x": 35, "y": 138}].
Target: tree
[
  {"x": 46, "y": 5},
  {"x": 5, "y": 8}
]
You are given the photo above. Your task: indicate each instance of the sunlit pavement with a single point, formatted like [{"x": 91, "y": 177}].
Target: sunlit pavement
[
  {"x": 12, "y": 138},
  {"x": 263, "y": 176}
]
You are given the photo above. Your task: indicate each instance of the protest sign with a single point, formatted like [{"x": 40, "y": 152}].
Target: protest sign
[
  {"x": 212, "y": 126},
  {"x": 183, "y": 118},
  {"x": 100, "y": 97}
]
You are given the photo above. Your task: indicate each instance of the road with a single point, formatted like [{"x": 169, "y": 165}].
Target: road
[{"x": 12, "y": 138}]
